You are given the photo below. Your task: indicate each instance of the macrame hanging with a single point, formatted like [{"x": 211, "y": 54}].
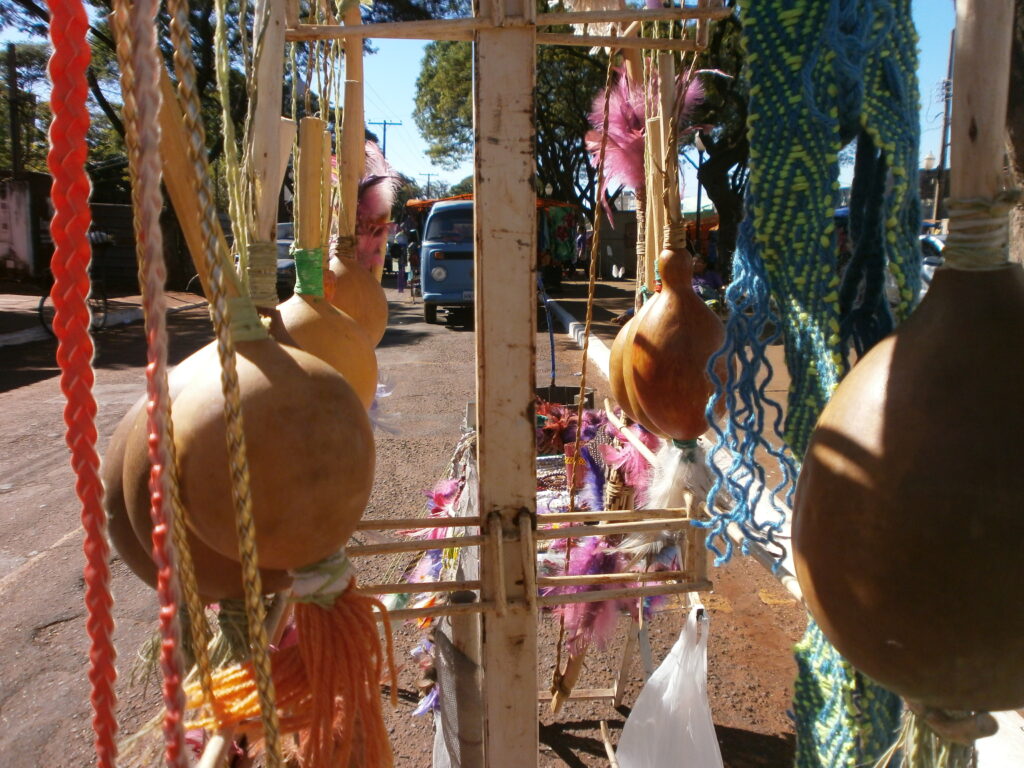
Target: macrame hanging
[{"x": 819, "y": 74}]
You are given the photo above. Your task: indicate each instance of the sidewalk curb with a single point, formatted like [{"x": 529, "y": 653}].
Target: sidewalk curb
[
  {"x": 597, "y": 351},
  {"x": 118, "y": 317}
]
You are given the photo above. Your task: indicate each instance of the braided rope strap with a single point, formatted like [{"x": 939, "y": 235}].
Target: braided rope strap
[
  {"x": 147, "y": 205},
  {"x": 234, "y": 319},
  {"x": 328, "y": 680},
  {"x": 70, "y": 266}
]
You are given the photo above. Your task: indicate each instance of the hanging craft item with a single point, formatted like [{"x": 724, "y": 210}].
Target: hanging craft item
[
  {"x": 356, "y": 264},
  {"x": 805, "y": 103},
  {"x": 314, "y": 323},
  {"x": 902, "y": 535}
]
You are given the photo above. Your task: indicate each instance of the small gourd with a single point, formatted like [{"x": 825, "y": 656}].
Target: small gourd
[
  {"x": 671, "y": 346},
  {"x": 360, "y": 295}
]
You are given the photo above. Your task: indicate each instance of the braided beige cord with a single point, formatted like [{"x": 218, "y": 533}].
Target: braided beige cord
[
  {"x": 148, "y": 202},
  {"x": 241, "y": 218},
  {"x": 240, "y": 487},
  {"x": 199, "y": 629}
]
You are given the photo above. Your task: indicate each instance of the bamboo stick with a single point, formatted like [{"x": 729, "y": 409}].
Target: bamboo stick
[
  {"x": 583, "y": 694},
  {"x": 669, "y": 134},
  {"x": 264, "y": 140},
  {"x": 637, "y": 14},
  {"x": 600, "y": 41},
  {"x": 498, "y": 551},
  {"x": 308, "y": 234},
  {"x": 325, "y": 193},
  {"x": 617, "y": 594},
  {"x": 448, "y": 609},
  {"x": 414, "y": 545},
  {"x": 785, "y": 577},
  {"x": 981, "y": 71},
  {"x": 527, "y": 550},
  {"x": 609, "y": 750},
  {"x": 655, "y": 197},
  {"x": 352, "y": 157},
  {"x": 182, "y": 190},
  {"x": 615, "y": 515},
  {"x": 417, "y": 587},
  {"x": 635, "y": 441},
  {"x": 412, "y": 523},
  {"x": 703, "y": 27},
  {"x": 595, "y": 579},
  {"x": 610, "y": 529}
]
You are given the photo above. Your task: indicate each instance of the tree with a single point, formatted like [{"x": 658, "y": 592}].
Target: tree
[
  {"x": 567, "y": 80},
  {"x": 463, "y": 187},
  {"x": 33, "y": 114},
  {"x": 724, "y": 172}
]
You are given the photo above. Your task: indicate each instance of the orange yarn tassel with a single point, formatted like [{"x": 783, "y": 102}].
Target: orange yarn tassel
[{"x": 325, "y": 683}]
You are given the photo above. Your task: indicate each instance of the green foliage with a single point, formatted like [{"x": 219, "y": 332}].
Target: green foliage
[
  {"x": 444, "y": 103},
  {"x": 463, "y": 187},
  {"x": 567, "y": 80},
  {"x": 33, "y": 111}
]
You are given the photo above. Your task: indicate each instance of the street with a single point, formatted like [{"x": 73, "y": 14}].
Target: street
[{"x": 44, "y": 711}]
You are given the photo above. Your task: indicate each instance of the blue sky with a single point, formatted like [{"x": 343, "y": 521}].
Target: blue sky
[{"x": 391, "y": 88}]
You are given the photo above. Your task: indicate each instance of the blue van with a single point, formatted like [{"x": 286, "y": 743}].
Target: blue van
[{"x": 446, "y": 257}]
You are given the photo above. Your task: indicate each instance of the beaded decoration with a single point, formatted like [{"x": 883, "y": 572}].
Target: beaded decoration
[{"x": 819, "y": 74}]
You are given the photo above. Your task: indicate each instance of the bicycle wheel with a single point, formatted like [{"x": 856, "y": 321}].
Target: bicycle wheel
[
  {"x": 46, "y": 312},
  {"x": 98, "y": 305}
]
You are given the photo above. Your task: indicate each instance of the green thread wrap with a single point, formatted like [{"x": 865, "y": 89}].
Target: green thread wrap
[
  {"x": 322, "y": 582},
  {"x": 309, "y": 271},
  {"x": 243, "y": 320}
]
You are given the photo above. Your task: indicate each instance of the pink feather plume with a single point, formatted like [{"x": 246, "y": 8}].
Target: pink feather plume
[
  {"x": 377, "y": 192},
  {"x": 624, "y": 153}
]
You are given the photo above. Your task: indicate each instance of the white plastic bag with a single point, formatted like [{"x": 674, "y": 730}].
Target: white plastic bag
[{"x": 670, "y": 725}]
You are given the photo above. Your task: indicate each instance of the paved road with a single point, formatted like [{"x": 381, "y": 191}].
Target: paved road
[{"x": 44, "y": 716}]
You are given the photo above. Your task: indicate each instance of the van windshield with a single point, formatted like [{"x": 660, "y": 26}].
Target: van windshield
[{"x": 453, "y": 226}]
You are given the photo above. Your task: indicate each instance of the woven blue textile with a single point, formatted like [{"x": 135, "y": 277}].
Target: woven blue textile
[{"x": 820, "y": 73}]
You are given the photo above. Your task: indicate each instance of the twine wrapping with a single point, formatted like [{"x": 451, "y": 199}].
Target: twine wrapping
[
  {"x": 309, "y": 272},
  {"x": 262, "y": 272},
  {"x": 979, "y": 232}
]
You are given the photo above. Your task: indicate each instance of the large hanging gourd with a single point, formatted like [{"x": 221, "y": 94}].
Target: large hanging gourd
[
  {"x": 907, "y": 526},
  {"x": 359, "y": 295},
  {"x": 310, "y": 319}
]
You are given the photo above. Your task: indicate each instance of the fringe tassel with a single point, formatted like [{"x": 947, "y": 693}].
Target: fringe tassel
[{"x": 325, "y": 682}]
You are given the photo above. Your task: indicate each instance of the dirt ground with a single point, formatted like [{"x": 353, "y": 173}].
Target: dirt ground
[{"x": 44, "y": 715}]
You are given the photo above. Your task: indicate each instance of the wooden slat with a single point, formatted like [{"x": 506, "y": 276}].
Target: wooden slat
[
  {"x": 612, "y": 515},
  {"x": 506, "y": 318},
  {"x": 352, "y": 152},
  {"x": 583, "y": 694},
  {"x": 412, "y": 523},
  {"x": 412, "y": 545},
  {"x": 610, "y": 529},
  {"x": 448, "y": 609},
  {"x": 417, "y": 587},
  {"x": 616, "y": 594},
  {"x": 598, "y": 41},
  {"x": 464, "y": 29},
  {"x": 595, "y": 579}
]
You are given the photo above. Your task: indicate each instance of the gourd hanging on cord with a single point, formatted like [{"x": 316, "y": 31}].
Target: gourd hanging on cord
[
  {"x": 359, "y": 295},
  {"x": 907, "y": 524},
  {"x": 313, "y": 322}
]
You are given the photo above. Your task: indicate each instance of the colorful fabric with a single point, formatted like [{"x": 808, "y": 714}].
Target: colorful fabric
[{"x": 819, "y": 74}]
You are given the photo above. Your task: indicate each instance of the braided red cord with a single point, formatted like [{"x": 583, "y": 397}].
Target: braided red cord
[{"x": 70, "y": 265}]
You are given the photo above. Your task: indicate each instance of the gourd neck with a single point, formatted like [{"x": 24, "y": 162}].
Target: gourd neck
[{"x": 675, "y": 262}]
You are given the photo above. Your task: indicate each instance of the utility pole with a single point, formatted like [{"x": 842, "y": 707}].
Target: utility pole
[
  {"x": 385, "y": 123},
  {"x": 12, "y": 104},
  {"x": 947, "y": 96},
  {"x": 428, "y": 175}
]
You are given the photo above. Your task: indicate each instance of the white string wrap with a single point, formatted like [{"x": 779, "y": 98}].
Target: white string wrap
[
  {"x": 149, "y": 202},
  {"x": 322, "y": 582},
  {"x": 979, "y": 232},
  {"x": 262, "y": 271}
]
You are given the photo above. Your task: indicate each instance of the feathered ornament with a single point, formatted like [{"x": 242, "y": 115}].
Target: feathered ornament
[
  {"x": 627, "y": 459},
  {"x": 377, "y": 192}
]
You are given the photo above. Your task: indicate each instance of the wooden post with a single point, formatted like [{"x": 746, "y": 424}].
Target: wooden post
[{"x": 506, "y": 234}]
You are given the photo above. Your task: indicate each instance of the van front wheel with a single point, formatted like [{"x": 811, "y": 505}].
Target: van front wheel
[{"x": 430, "y": 313}]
